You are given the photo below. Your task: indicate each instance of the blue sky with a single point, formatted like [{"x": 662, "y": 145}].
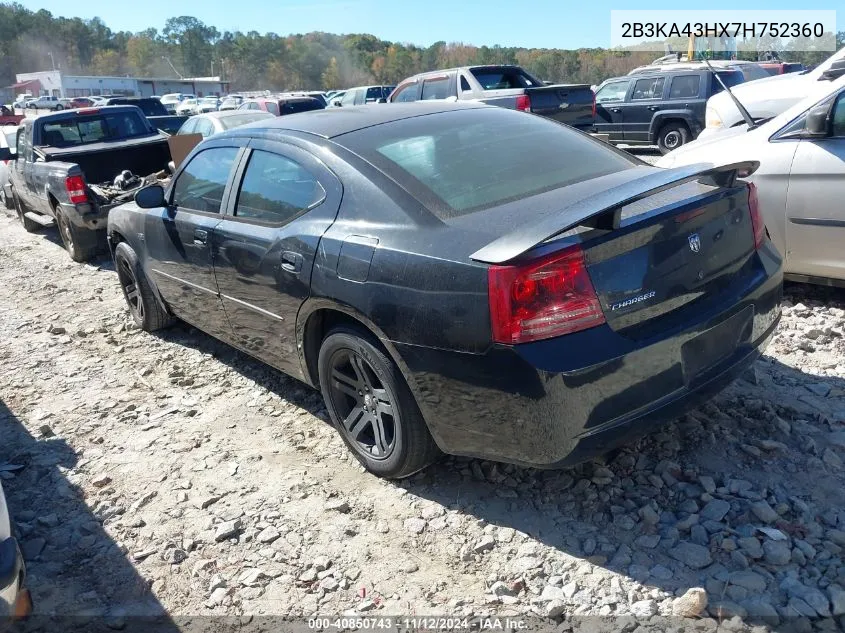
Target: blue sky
[{"x": 538, "y": 23}]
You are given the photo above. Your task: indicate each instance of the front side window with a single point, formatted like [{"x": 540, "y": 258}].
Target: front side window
[
  {"x": 348, "y": 98},
  {"x": 276, "y": 189},
  {"x": 612, "y": 92},
  {"x": 373, "y": 94},
  {"x": 435, "y": 88},
  {"x": 651, "y": 88},
  {"x": 201, "y": 184},
  {"x": 838, "y": 116}
]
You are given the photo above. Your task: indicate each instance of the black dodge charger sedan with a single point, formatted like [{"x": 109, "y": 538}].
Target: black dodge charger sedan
[{"x": 459, "y": 277}]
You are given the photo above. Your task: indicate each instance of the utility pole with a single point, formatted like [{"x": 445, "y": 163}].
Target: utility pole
[
  {"x": 52, "y": 61},
  {"x": 167, "y": 59}
]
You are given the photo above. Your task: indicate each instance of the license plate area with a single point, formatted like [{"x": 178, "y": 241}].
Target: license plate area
[{"x": 709, "y": 349}]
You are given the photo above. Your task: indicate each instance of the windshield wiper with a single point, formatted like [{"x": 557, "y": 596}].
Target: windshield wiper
[{"x": 745, "y": 115}]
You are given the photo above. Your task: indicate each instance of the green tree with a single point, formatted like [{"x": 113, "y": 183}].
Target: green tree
[{"x": 331, "y": 75}]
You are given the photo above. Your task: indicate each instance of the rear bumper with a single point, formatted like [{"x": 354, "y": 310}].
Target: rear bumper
[
  {"x": 558, "y": 402},
  {"x": 88, "y": 216}
]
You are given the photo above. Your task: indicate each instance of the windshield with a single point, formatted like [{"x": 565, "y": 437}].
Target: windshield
[
  {"x": 461, "y": 161},
  {"x": 81, "y": 130}
]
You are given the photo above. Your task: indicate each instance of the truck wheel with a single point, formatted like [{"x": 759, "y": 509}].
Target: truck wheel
[
  {"x": 81, "y": 244},
  {"x": 372, "y": 407},
  {"x": 672, "y": 136},
  {"x": 146, "y": 311},
  {"x": 28, "y": 225},
  {"x": 60, "y": 107}
]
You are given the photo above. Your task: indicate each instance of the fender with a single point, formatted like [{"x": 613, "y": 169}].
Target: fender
[{"x": 684, "y": 114}]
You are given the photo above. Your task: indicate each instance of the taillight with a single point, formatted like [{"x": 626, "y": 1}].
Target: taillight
[
  {"x": 757, "y": 223},
  {"x": 543, "y": 298},
  {"x": 88, "y": 111},
  {"x": 594, "y": 105},
  {"x": 75, "y": 186},
  {"x": 523, "y": 103}
]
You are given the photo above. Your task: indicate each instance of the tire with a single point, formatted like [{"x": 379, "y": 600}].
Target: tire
[
  {"x": 29, "y": 226},
  {"x": 81, "y": 244},
  {"x": 146, "y": 310},
  {"x": 372, "y": 407},
  {"x": 672, "y": 136},
  {"x": 59, "y": 107}
]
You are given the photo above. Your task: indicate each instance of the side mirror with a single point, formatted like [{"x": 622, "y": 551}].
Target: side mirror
[
  {"x": 836, "y": 70},
  {"x": 6, "y": 153},
  {"x": 817, "y": 121},
  {"x": 150, "y": 197},
  {"x": 382, "y": 100},
  {"x": 337, "y": 104}
]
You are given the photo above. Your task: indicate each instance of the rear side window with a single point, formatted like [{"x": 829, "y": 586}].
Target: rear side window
[
  {"x": 460, "y": 161},
  {"x": 276, "y": 189},
  {"x": 651, "y": 88},
  {"x": 612, "y": 92},
  {"x": 729, "y": 79},
  {"x": 465, "y": 84},
  {"x": 188, "y": 127},
  {"x": 684, "y": 87},
  {"x": 435, "y": 88},
  {"x": 272, "y": 107},
  {"x": 201, "y": 184},
  {"x": 406, "y": 93},
  {"x": 374, "y": 93},
  {"x": 501, "y": 78}
]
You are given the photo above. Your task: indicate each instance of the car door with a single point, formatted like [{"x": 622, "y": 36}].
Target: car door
[
  {"x": 406, "y": 93},
  {"x": 350, "y": 98},
  {"x": 815, "y": 230},
  {"x": 638, "y": 110},
  {"x": 24, "y": 152},
  {"x": 179, "y": 237},
  {"x": 266, "y": 244},
  {"x": 438, "y": 87},
  {"x": 609, "y": 99}
]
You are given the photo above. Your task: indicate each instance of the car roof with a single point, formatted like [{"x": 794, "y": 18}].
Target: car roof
[
  {"x": 222, "y": 114},
  {"x": 331, "y": 122}
]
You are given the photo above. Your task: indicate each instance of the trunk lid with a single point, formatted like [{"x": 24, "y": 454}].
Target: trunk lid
[
  {"x": 694, "y": 245},
  {"x": 570, "y": 104}
]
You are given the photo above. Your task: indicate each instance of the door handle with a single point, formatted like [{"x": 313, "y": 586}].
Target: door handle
[
  {"x": 200, "y": 236},
  {"x": 616, "y": 109},
  {"x": 291, "y": 262},
  {"x": 653, "y": 108}
]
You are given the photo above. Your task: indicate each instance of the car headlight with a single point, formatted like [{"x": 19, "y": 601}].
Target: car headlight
[{"x": 711, "y": 118}]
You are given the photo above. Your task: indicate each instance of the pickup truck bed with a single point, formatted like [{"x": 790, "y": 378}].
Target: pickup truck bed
[{"x": 68, "y": 171}]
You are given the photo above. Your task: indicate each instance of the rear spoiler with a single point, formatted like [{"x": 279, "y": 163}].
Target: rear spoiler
[{"x": 603, "y": 209}]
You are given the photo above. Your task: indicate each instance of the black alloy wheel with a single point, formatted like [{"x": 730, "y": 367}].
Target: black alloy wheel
[
  {"x": 129, "y": 284},
  {"x": 365, "y": 407}
]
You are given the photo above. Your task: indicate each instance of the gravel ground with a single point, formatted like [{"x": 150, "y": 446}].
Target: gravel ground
[{"x": 171, "y": 474}]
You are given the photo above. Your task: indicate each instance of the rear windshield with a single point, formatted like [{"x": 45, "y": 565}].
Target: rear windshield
[
  {"x": 729, "y": 79},
  {"x": 81, "y": 130},
  {"x": 292, "y": 107},
  {"x": 150, "y": 107},
  {"x": 466, "y": 160},
  {"x": 242, "y": 118},
  {"x": 500, "y": 78},
  {"x": 272, "y": 108}
]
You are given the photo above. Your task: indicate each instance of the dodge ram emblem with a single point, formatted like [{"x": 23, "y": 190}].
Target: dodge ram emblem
[{"x": 694, "y": 242}]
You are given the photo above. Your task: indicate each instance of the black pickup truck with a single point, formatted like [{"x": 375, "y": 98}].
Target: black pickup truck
[
  {"x": 504, "y": 86},
  {"x": 155, "y": 112},
  {"x": 72, "y": 167}
]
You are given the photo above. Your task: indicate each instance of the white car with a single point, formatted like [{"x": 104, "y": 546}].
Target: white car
[
  {"x": 769, "y": 97},
  {"x": 45, "y": 103},
  {"x": 800, "y": 181},
  {"x": 207, "y": 104},
  {"x": 170, "y": 101},
  {"x": 186, "y": 106}
]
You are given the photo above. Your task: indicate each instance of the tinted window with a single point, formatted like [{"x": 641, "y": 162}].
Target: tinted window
[
  {"x": 729, "y": 79},
  {"x": 684, "y": 87},
  {"x": 93, "y": 129},
  {"x": 276, "y": 189},
  {"x": 461, "y": 161},
  {"x": 406, "y": 93},
  {"x": 612, "y": 92},
  {"x": 464, "y": 83},
  {"x": 500, "y": 78},
  {"x": 435, "y": 88},
  {"x": 838, "y": 117},
  {"x": 201, "y": 184},
  {"x": 651, "y": 88},
  {"x": 374, "y": 93},
  {"x": 292, "y": 107},
  {"x": 752, "y": 72},
  {"x": 150, "y": 107}
]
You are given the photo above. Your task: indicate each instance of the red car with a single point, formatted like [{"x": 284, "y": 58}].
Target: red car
[
  {"x": 81, "y": 102},
  {"x": 282, "y": 105}
]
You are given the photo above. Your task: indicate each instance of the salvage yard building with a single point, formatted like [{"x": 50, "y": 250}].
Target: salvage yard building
[{"x": 57, "y": 84}]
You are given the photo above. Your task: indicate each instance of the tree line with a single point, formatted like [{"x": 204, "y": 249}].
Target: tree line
[{"x": 187, "y": 47}]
